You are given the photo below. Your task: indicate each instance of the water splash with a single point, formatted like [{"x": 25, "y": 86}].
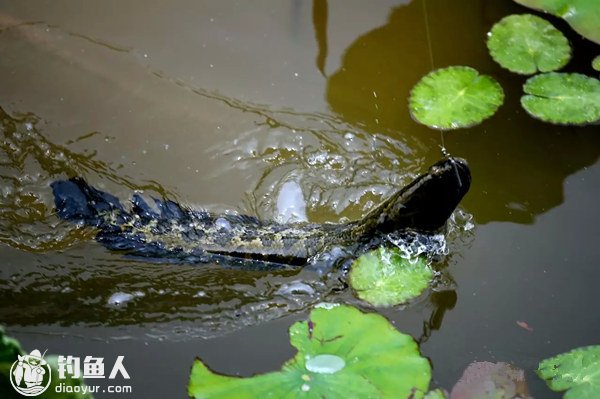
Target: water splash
[
  {"x": 341, "y": 174},
  {"x": 30, "y": 162},
  {"x": 412, "y": 245}
]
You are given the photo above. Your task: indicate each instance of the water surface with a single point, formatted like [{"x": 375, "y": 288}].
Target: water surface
[{"x": 223, "y": 105}]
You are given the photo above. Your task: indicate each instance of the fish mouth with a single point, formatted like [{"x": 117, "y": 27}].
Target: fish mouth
[{"x": 449, "y": 165}]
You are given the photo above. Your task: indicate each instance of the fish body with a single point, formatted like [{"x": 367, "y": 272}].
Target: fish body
[{"x": 167, "y": 231}]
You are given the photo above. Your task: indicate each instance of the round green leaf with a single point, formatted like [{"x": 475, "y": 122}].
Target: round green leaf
[
  {"x": 563, "y": 98},
  {"x": 582, "y": 15},
  {"x": 435, "y": 394},
  {"x": 342, "y": 352},
  {"x": 454, "y": 97},
  {"x": 9, "y": 348},
  {"x": 577, "y": 372},
  {"x": 596, "y": 63},
  {"x": 383, "y": 278},
  {"x": 527, "y": 44}
]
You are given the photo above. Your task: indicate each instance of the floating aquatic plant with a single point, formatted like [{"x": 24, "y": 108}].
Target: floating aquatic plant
[
  {"x": 596, "y": 63},
  {"x": 454, "y": 97},
  {"x": 563, "y": 98},
  {"x": 577, "y": 372},
  {"x": 486, "y": 380},
  {"x": 435, "y": 394},
  {"x": 582, "y": 15},
  {"x": 383, "y": 278},
  {"x": 342, "y": 352},
  {"x": 527, "y": 44}
]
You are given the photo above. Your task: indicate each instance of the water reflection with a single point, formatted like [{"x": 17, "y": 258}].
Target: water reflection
[
  {"x": 320, "y": 24},
  {"x": 441, "y": 302},
  {"x": 89, "y": 287}
]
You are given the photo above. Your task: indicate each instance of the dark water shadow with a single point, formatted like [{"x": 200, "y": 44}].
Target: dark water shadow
[{"x": 519, "y": 164}]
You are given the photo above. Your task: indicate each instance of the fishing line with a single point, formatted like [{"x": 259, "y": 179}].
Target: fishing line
[
  {"x": 428, "y": 34},
  {"x": 445, "y": 152}
]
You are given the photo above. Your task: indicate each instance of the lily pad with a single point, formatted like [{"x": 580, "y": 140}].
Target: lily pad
[
  {"x": 582, "y": 15},
  {"x": 383, "y": 278},
  {"x": 435, "y": 394},
  {"x": 342, "y": 352},
  {"x": 563, "y": 98},
  {"x": 577, "y": 372},
  {"x": 596, "y": 63},
  {"x": 486, "y": 380},
  {"x": 454, "y": 97},
  {"x": 9, "y": 348},
  {"x": 527, "y": 44}
]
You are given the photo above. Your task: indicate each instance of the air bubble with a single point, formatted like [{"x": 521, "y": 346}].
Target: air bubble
[{"x": 120, "y": 299}]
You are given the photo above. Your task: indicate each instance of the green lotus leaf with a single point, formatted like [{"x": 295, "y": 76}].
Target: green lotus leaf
[
  {"x": 582, "y": 15},
  {"x": 577, "y": 372},
  {"x": 342, "y": 352},
  {"x": 454, "y": 97},
  {"x": 527, "y": 44},
  {"x": 435, "y": 394},
  {"x": 563, "y": 98},
  {"x": 9, "y": 348},
  {"x": 596, "y": 63},
  {"x": 383, "y": 278}
]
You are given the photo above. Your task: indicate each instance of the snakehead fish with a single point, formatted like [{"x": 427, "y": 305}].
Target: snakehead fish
[{"x": 170, "y": 232}]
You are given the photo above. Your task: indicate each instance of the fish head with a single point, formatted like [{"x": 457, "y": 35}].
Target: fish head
[{"x": 427, "y": 203}]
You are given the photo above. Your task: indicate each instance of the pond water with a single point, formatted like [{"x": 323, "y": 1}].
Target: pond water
[{"x": 227, "y": 104}]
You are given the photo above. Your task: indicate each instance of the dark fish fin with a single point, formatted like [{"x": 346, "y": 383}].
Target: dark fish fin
[
  {"x": 141, "y": 208},
  {"x": 243, "y": 219},
  {"x": 77, "y": 201},
  {"x": 170, "y": 210}
]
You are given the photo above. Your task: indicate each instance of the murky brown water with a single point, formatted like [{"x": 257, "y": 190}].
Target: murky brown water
[{"x": 221, "y": 103}]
